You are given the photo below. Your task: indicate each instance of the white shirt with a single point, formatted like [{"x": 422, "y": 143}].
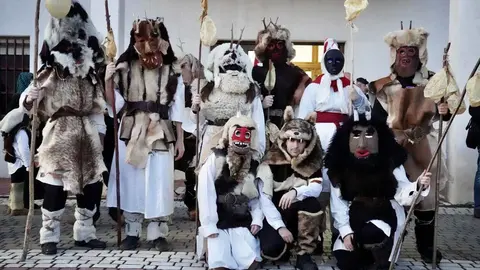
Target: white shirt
[{"x": 22, "y": 152}]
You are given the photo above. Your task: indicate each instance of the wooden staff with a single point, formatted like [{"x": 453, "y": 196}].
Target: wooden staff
[
  {"x": 110, "y": 58},
  {"x": 439, "y": 167},
  {"x": 439, "y": 146},
  {"x": 204, "y": 4},
  {"x": 31, "y": 171}
]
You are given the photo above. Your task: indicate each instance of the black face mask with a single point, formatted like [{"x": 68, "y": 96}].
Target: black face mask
[{"x": 334, "y": 61}]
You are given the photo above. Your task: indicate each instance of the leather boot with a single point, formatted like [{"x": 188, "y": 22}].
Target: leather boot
[
  {"x": 130, "y": 243},
  {"x": 381, "y": 253},
  {"x": 424, "y": 234}
]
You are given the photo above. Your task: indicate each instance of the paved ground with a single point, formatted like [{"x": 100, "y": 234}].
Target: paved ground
[{"x": 459, "y": 240}]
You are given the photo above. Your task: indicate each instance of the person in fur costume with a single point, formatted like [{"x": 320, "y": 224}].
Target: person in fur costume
[
  {"x": 71, "y": 103},
  {"x": 274, "y": 44},
  {"x": 191, "y": 70},
  {"x": 291, "y": 173},
  {"x": 15, "y": 130},
  {"x": 229, "y": 199},
  {"x": 369, "y": 187},
  {"x": 402, "y": 104},
  {"x": 149, "y": 90},
  {"x": 228, "y": 87}
]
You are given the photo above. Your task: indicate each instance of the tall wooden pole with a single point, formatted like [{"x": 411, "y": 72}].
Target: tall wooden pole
[
  {"x": 31, "y": 169},
  {"x": 110, "y": 58}
]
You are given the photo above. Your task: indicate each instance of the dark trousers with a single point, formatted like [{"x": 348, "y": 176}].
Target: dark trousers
[
  {"x": 271, "y": 243},
  {"x": 21, "y": 176},
  {"x": 108, "y": 151},
  {"x": 360, "y": 257},
  {"x": 56, "y": 197},
  {"x": 184, "y": 165}
]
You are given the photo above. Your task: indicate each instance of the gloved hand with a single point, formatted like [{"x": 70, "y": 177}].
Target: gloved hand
[{"x": 267, "y": 102}]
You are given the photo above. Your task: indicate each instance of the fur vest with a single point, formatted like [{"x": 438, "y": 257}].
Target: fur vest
[
  {"x": 144, "y": 129},
  {"x": 222, "y": 105},
  {"x": 234, "y": 191},
  {"x": 71, "y": 149}
]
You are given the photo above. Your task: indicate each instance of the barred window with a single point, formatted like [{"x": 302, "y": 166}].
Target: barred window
[{"x": 14, "y": 59}]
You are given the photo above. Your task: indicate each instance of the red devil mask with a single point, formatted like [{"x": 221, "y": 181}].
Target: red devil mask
[{"x": 241, "y": 139}]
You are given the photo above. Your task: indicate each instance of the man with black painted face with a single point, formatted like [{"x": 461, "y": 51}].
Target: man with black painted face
[
  {"x": 369, "y": 187},
  {"x": 331, "y": 97},
  {"x": 402, "y": 104},
  {"x": 274, "y": 44}
]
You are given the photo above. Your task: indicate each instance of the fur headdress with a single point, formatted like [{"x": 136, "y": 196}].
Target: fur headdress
[
  {"x": 416, "y": 37},
  {"x": 273, "y": 31},
  {"x": 229, "y": 128},
  {"x": 76, "y": 29},
  {"x": 227, "y": 54},
  {"x": 310, "y": 160}
]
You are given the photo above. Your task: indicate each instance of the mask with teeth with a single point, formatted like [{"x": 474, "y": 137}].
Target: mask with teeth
[{"x": 241, "y": 139}]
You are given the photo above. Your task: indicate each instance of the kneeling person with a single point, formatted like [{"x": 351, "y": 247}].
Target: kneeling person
[
  {"x": 228, "y": 199},
  {"x": 291, "y": 176},
  {"x": 369, "y": 189}
]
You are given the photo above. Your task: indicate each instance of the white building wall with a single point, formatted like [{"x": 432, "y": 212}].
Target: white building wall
[{"x": 308, "y": 20}]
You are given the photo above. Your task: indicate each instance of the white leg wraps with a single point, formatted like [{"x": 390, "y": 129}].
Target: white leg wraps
[
  {"x": 83, "y": 229},
  {"x": 50, "y": 231},
  {"x": 157, "y": 227},
  {"x": 156, "y": 230},
  {"x": 133, "y": 223},
  {"x": 16, "y": 196}
]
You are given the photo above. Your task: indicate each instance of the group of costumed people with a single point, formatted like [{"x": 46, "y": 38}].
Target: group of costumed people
[{"x": 274, "y": 154}]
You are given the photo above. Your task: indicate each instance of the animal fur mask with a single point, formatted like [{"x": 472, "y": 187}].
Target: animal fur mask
[
  {"x": 273, "y": 32},
  {"x": 225, "y": 57},
  {"x": 73, "y": 43},
  {"x": 149, "y": 43},
  {"x": 416, "y": 37}
]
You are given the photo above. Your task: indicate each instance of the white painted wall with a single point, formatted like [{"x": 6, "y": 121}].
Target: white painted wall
[
  {"x": 464, "y": 28},
  {"x": 308, "y": 20}
]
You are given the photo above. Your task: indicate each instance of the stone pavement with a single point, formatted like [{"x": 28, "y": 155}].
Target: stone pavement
[{"x": 459, "y": 240}]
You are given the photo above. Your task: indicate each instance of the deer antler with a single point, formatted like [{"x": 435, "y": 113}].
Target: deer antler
[
  {"x": 231, "y": 40},
  {"x": 240, "y": 39},
  {"x": 264, "y": 23},
  {"x": 276, "y": 21},
  {"x": 181, "y": 44}
]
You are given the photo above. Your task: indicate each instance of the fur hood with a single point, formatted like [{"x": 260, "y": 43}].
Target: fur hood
[
  {"x": 416, "y": 37},
  {"x": 75, "y": 30},
  {"x": 229, "y": 128},
  {"x": 226, "y": 54},
  {"x": 273, "y": 31},
  {"x": 310, "y": 161}
]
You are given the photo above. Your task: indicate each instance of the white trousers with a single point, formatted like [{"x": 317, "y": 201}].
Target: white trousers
[{"x": 233, "y": 249}]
